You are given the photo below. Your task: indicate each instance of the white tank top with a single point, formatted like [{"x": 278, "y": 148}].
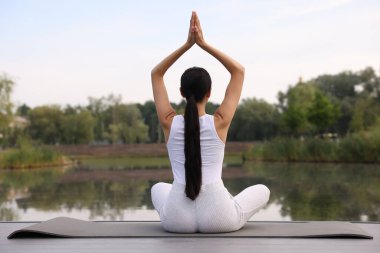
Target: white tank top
[{"x": 212, "y": 149}]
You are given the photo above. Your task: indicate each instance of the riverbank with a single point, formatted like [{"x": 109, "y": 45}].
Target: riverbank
[
  {"x": 136, "y": 150},
  {"x": 121, "y": 156},
  {"x": 362, "y": 147},
  {"x": 136, "y": 156},
  {"x": 26, "y": 157}
]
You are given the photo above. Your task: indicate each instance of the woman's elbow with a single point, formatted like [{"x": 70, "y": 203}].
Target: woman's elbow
[
  {"x": 153, "y": 73},
  {"x": 156, "y": 73},
  {"x": 239, "y": 70},
  {"x": 242, "y": 69}
]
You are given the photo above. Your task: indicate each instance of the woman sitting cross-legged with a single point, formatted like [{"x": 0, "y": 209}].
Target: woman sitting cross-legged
[{"x": 197, "y": 201}]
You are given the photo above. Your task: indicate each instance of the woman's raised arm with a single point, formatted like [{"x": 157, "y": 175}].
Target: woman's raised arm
[
  {"x": 165, "y": 111},
  {"x": 226, "y": 110}
]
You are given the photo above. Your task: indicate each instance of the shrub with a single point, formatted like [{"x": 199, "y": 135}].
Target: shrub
[{"x": 26, "y": 155}]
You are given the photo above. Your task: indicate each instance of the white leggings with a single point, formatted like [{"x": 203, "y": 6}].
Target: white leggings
[{"x": 215, "y": 210}]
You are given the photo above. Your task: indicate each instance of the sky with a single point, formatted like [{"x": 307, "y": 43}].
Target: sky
[{"x": 62, "y": 52}]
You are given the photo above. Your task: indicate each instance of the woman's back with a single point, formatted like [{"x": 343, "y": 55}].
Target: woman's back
[{"x": 212, "y": 149}]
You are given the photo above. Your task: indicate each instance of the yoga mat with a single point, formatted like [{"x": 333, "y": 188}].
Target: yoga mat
[{"x": 75, "y": 228}]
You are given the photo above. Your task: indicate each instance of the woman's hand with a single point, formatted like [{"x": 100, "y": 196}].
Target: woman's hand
[
  {"x": 198, "y": 31},
  {"x": 191, "y": 37},
  {"x": 195, "y": 32}
]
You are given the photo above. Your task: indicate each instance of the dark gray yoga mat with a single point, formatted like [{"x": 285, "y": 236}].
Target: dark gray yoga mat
[{"x": 74, "y": 228}]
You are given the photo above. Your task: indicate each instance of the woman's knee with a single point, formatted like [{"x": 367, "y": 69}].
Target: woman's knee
[
  {"x": 159, "y": 193},
  {"x": 264, "y": 190},
  {"x": 159, "y": 188},
  {"x": 154, "y": 188}
]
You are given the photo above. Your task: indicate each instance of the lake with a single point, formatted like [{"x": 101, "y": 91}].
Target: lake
[{"x": 114, "y": 191}]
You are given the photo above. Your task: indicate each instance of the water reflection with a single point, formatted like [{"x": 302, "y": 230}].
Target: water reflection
[
  {"x": 298, "y": 192},
  {"x": 324, "y": 192}
]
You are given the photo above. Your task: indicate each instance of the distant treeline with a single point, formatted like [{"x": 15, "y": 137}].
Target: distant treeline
[{"x": 340, "y": 104}]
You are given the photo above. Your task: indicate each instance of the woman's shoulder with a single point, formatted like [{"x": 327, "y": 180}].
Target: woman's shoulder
[
  {"x": 220, "y": 127},
  {"x": 177, "y": 119}
]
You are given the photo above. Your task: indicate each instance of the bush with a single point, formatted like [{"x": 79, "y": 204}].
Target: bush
[
  {"x": 281, "y": 149},
  {"x": 359, "y": 147},
  {"x": 319, "y": 150},
  {"x": 26, "y": 155}
]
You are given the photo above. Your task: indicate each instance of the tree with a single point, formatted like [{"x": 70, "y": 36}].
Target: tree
[
  {"x": 77, "y": 127},
  {"x": 6, "y": 87},
  {"x": 23, "y": 110},
  {"x": 341, "y": 85},
  {"x": 98, "y": 107},
  {"x": 322, "y": 113},
  {"x": 365, "y": 114},
  {"x": 126, "y": 124},
  {"x": 211, "y": 107},
  {"x": 295, "y": 105},
  {"x": 254, "y": 120},
  {"x": 100, "y": 110},
  {"x": 342, "y": 89},
  {"x": 371, "y": 83},
  {"x": 45, "y": 124},
  {"x": 346, "y": 108},
  {"x": 149, "y": 114}
]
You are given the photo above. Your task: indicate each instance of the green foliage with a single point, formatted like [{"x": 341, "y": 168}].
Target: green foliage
[
  {"x": 282, "y": 149},
  {"x": 6, "y": 87},
  {"x": 254, "y": 120},
  {"x": 309, "y": 191},
  {"x": 346, "y": 108},
  {"x": 359, "y": 147},
  {"x": 97, "y": 107},
  {"x": 339, "y": 103},
  {"x": 124, "y": 162},
  {"x": 362, "y": 146},
  {"x": 322, "y": 113},
  {"x": 341, "y": 85},
  {"x": 78, "y": 127},
  {"x": 295, "y": 105},
  {"x": 365, "y": 113},
  {"x": 149, "y": 114},
  {"x": 127, "y": 125},
  {"x": 117, "y": 122},
  {"x": 27, "y": 155},
  {"x": 291, "y": 149},
  {"x": 347, "y": 102},
  {"x": 45, "y": 124},
  {"x": 23, "y": 110},
  {"x": 211, "y": 107}
]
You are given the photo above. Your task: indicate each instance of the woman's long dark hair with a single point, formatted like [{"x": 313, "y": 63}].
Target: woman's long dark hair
[{"x": 195, "y": 83}]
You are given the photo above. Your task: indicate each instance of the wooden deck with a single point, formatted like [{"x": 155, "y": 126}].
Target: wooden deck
[{"x": 193, "y": 245}]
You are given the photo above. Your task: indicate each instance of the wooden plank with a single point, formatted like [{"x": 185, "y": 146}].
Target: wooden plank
[{"x": 168, "y": 245}]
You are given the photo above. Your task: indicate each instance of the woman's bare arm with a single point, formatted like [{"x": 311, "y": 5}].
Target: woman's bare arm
[
  {"x": 165, "y": 111},
  {"x": 226, "y": 111}
]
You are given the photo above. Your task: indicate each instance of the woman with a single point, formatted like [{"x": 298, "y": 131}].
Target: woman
[{"x": 197, "y": 201}]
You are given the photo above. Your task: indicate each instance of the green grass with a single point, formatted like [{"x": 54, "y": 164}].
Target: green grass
[
  {"x": 361, "y": 147},
  {"x": 139, "y": 162},
  {"x": 123, "y": 162},
  {"x": 29, "y": 156}
]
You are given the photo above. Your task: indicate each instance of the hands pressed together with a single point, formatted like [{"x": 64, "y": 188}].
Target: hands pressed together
[
  {"x": 231, "y": 99},
  {"x": 195, "y": 32}
]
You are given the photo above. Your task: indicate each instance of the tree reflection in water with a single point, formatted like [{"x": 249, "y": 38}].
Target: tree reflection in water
[
  {"x": 304, "y": 191},
  {"x": 323, "y": 191}
]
